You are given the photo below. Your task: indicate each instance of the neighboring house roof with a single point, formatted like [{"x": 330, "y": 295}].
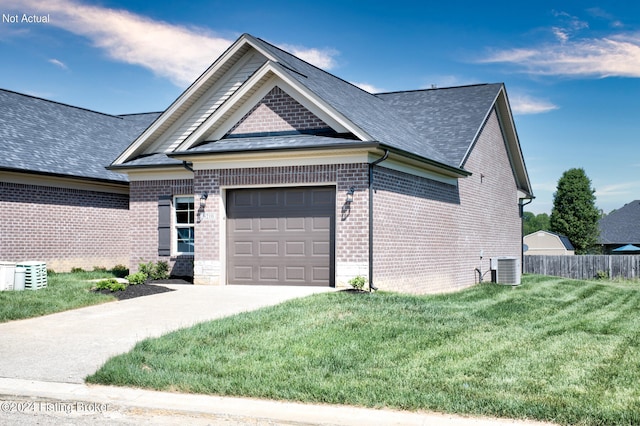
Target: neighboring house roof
[
  {"x": 45, "y": 137},
  {"x": 564, "y": 240},
  {"x": 436, "y": 126},
  {"x": 621, "y": 226}
]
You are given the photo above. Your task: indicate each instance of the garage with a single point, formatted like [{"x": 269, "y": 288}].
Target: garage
[{"x": 281, "y": 236}]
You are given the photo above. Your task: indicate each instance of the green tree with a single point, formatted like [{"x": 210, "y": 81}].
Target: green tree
[
  {"x": 533, "y": 223},
  {"x": 574, "y": 211}
]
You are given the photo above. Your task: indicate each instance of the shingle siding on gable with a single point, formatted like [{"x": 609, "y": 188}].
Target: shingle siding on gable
[
  {"x": 277, "y": 112},
  {"x": 428, "y": 235},
  {"x": 66, "y": 228}
]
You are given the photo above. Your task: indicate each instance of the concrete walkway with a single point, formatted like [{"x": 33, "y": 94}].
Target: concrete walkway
[
  {"x": 43, "y": 363},
  {"x": 68, "y": 346}
]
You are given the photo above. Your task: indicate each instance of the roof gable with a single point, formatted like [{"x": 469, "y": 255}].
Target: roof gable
[
  {"x": 438, "y": 127},
  {"x": 46, "y": 137}
]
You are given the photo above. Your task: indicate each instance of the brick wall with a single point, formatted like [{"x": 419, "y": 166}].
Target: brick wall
[
  {"x": 351, "y": 244},
  {"x": 143, "y": 227},
  {"x": 67, "y": 228},
  {"x": 428, "y": 235},
  {"x": 277, "y": 112}
]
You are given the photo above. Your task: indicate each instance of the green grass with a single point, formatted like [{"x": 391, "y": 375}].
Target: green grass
[
  {"x": 63, "y": 292},
  {"x": 552, "y": 349}
]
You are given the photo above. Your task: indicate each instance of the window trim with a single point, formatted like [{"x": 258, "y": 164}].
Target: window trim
[{"x": 175, "y": 225}]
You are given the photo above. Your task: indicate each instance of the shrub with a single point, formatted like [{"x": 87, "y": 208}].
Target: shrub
[
  {"x": 137, "y": 278},
  {"x": 120, "y": 271},
  {"x": 155, "y": 271},
  {"x": 99, "y": 269},
  {"x": 77, "y": 270},
  {"x": 110, "y": 284},
  {"x": 358, "y": 282},
  {"x": 602, "y": 275}
]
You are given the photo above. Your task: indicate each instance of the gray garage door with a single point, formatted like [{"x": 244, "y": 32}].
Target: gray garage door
[{"x": 281, "y": 236}]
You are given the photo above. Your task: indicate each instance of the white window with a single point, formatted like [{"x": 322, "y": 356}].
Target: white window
[{"x": 184, "y": 224}]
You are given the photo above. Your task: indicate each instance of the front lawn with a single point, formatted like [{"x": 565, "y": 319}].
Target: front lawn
[
  {"x": 63, "y": 292},
  {"x": 552, "y": 349}
]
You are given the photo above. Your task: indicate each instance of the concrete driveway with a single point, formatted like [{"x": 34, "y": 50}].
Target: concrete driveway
[{"x": 68, "y": 346}]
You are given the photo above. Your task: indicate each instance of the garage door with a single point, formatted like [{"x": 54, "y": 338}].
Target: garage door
[{"x": 281, "y": 236}]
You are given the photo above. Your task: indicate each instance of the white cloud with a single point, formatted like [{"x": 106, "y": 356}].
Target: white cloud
[
  {"x": 322, "y": 58},
  {"x": 175, "y": 52},
  {"x": 58, "y": 63},
  {"x": 523, "y": 104},
  {"x": 616, "y": 190},
  {"x": 368, "y": 87}
]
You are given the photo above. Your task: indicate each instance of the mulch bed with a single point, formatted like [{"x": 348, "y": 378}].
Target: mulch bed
[{"x": 139, "y": 290}]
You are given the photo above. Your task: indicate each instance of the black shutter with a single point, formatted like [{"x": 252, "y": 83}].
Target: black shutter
[{"x": 164, "y": 225}]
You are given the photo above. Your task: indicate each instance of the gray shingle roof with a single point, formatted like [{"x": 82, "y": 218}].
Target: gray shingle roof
[
  {"x": 448, "y": 119},
  {"x": 367, "y": 111},
  {"x": 621, "y": 226},
  {"x": 41, "y": 136}
]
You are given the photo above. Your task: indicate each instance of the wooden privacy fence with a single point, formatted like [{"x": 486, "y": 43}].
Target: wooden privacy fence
[{"x": 583, "y": 267}]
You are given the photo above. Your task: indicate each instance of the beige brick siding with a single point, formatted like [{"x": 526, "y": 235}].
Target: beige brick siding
[
  {"x": 428, "y": 235},
  {"x": 277, "y": 112},
  {"x": 66, "y": 228},
  {"x": 143, "y": 227}
]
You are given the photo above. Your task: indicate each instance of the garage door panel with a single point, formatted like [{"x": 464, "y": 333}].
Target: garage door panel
[
  {"x": 294, "y": 223},
  {"x": 268, "y": 248},
  {"x": 268, "y": 224},
  {"x": 269, "y": 273},
  {"x": 294, "y": 248},
  {"x": 289, "y": 240}
]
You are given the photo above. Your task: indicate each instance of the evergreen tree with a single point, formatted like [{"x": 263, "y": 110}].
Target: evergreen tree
[{"x": 574, "y": 211}]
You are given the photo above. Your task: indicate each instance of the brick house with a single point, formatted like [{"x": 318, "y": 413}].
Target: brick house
[
  {"x": 58, "y": 203},
  {"x": 268, "y": 170}
]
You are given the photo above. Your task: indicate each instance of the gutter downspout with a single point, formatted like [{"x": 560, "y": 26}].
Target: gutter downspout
[
  {"x": 371, "y": 165},
  {"x": 188, "y": 166},
  {"x": 521, "y": 205}
]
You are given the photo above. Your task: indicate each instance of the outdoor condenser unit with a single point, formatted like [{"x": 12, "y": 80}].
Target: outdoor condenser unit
[{"x": 505, "y": 270}]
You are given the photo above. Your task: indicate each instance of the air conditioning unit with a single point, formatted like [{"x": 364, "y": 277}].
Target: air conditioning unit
[
  {"x": 35, "y": 276},
  {"x": 507, "y": 270}
]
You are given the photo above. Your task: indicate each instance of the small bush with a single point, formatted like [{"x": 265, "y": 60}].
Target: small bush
[
  {"x": 137, "y": 278},
  {"x": 77, "y": 270},
  {"x": 110, "y": 284},
  {"x": 99, "y": 269},
  {"x": 358, "y": 282},
  {"x": 120, "y": 271},
  {"x": 602, "y": 275},
  {"x": 155, "y": 271}
]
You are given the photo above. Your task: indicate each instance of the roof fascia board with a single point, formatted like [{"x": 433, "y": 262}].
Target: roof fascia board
[
  {"x": 480, "y": 128},
  {"x": 507, "y": 124},
  {"x": 293, "y": 85},
  {"x": 41, "y": 179},
  {"x": 175, "y": 106},
  {"x": 138, "y": 173}
]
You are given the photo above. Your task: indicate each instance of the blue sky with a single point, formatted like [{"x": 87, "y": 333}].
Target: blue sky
[{"x": 571, "y": 68}]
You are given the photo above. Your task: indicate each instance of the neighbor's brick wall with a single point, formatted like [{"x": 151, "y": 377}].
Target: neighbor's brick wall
[
  {"x": 66, "y": 228},
  {"x": 143, "y": 227},
  {"x": 277, "y": 112},
  {"x": 428, "y": 235}
]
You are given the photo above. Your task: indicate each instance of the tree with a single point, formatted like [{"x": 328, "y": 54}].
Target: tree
[
  {"x": 533, "y": 223},
  {"x": 574, "y": 211}
]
